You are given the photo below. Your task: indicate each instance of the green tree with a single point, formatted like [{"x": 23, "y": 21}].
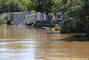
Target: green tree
[
  {"x": 78, "y": 11},
  {"x": 3, "y": 6},
  {"x": 11, "y": 6},
  {"x": 44, "y": 6}
]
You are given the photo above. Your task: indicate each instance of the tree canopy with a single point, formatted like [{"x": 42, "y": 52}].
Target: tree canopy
[
  {"x": 21, "y": 5},
  {"x": 11, "y": 6}
]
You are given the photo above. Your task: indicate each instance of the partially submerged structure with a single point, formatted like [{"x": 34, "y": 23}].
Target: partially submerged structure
[
  {"x": 13, "y": 16},
  {"x": 30, "y": 18},
  {"x": 22, "y": 18}
]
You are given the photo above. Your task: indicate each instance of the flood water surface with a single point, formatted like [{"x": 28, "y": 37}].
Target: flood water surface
[{"x": 24, "y": 43}]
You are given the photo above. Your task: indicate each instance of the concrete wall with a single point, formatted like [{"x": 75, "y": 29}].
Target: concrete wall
[
  {"x": 14, "y": 15},
  {"x": 30, "y": 18}
]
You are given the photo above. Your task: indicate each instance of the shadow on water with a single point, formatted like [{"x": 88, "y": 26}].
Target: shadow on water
[
  {"x": 53, "y": 33},
  {"x": 81, "y": 37},
  {"x": 74, "y": 38}
]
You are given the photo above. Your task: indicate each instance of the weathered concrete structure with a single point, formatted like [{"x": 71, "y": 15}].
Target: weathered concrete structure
[
  {"x": 31, "y": 18},
  {"x": 20, "y": 19}
]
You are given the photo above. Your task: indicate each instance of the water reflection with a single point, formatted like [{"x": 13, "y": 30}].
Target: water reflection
[
  {"x": 24, "y": 43},
  {"x": 80, "y": 38}
]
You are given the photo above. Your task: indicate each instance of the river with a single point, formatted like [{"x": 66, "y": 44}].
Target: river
[{"x": 25, "y": 43}]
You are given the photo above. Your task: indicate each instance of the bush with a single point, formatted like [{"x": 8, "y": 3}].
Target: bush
[
  {"x": 73, "y": 26},
  {"x": 3, "y": 20}
]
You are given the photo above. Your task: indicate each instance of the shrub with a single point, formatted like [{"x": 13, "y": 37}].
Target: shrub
[
  {"x": 3, "y": 19},
  {"x": 73, "y": 26}
]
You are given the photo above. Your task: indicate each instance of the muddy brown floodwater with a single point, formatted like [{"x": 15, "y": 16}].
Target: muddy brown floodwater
[{"x": 24, "y": 43}]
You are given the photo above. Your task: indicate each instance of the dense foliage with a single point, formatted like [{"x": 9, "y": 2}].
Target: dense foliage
[
  {"x": 77, "y": 10},
  {"x": 21, "y": 5},
  {"x": 73, "y": 26},
  {"x": 11, "y": 6},
  {"x": 3, "y": 19}
]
